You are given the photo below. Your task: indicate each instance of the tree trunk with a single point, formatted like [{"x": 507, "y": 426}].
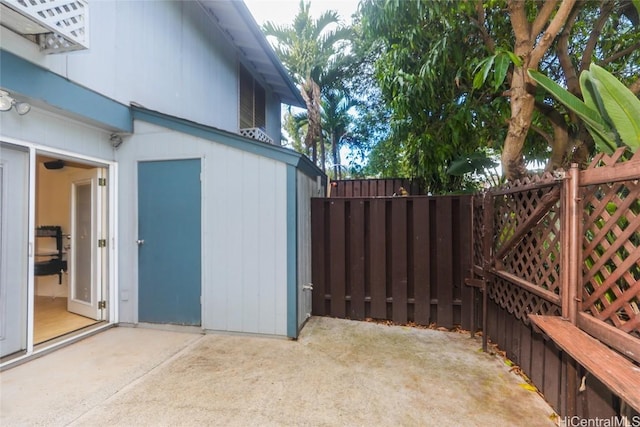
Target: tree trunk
[
  {"x": 310, "y": 92},
  {"x": 530, "y": 45},
  {"x": 334, "y": 155},
  {"x": 522, "y": 106},
  {"x": 323, "y": 155}
]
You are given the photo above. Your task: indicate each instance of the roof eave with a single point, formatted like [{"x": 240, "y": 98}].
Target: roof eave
[
  {"x": 264, "y": 44},
  {"x": 236, "y": 22}
]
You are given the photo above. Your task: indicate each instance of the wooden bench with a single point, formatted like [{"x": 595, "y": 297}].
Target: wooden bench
[{"x": 612, "y": 369}]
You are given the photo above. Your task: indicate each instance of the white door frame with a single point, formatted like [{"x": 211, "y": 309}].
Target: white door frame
[
  {"x": 97, "y": 283},
  {"x": 112, "y": 209}
]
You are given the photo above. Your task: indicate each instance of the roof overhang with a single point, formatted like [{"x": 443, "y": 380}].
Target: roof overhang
[{"x": 236, "y": 22}]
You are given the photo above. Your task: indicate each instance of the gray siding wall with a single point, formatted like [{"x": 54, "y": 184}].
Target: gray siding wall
[
  {"x": 165, "y": 55},
  {"x": 244, "y": 249},
  {"x": 55, "y": 131},
  {"x": 307, "y": 188}
]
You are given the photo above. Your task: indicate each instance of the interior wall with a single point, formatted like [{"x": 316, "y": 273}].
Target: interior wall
[{"x": 53, "y": 201}]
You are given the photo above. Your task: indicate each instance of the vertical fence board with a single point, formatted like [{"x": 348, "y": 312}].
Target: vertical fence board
[
  {"x": 318, "y": 256},
  {"x": 444, "y": 262},
  {"x": 465, "y": 237},
  {"x": 537, "y": 360},
  {"x": 508, "y": 343},
  {"x": 399, "y": 259},
  {"x": 492, "y": 321},
  {"x": 391, "y": 258},
  {"x": 357, "y": 259},
  {"x": 337, "y": 268},
  {"x": 596, "y": 401},
  {"x": 552, "y": 374},
  {"x": 378, "y": 259},
  {"x": 525, "y": 347},
  {"x": 422, "y": 261}
]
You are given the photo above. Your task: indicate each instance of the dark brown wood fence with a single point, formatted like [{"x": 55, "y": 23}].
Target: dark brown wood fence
[
  {"x": 375, "y": 187},
  {"x": 565, "y": 246},
  {"x": 401, "y": 258}
]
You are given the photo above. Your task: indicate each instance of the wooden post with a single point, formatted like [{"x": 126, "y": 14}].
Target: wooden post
[
  {"x": 571, "y": 277},
  {"x": 575, "y": 241},
  {"x": 487, "y": 249},
  {"x": 565, "y": 247}
]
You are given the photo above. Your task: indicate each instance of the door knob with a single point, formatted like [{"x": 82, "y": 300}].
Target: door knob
[{"x": 140, "y": 242}]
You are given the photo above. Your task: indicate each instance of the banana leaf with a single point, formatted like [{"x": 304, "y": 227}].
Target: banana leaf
[
  {"x": 603, "y": 136},
  {"x": 593, "y": 100},
  {"x": 621, "y": 105}
]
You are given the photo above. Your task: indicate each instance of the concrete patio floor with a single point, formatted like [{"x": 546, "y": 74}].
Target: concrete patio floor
[{"x": 339, "y": 373}]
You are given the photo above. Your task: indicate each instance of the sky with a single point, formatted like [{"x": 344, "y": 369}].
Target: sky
[{"x": 282, "y": 12}]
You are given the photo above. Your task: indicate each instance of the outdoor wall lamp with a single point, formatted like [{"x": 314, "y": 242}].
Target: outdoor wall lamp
[{"x": 7, "y": 102}]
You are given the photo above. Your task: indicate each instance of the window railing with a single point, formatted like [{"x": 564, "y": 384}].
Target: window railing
[
  {"x": 256, "y": 133},
  {"x": 56, "y": 25}
]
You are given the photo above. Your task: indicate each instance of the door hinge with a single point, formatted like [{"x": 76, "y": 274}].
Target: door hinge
[
  {"x": 102, "y": 243},
  {"x": 102, "y": 182},
  {"x": 102, "y": 305}
]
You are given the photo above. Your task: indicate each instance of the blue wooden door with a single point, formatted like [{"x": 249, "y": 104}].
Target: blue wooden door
[{"x": 169, "y": 236}]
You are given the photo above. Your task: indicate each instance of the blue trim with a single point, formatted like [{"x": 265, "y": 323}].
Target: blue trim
[
  {"x": 220, "y": 136},
  {"x": 32, "y": 81},
  {"x": 292, "y": 252}
]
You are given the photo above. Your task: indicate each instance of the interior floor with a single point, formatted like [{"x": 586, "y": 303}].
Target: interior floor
[{"x": 53, "y": 320}]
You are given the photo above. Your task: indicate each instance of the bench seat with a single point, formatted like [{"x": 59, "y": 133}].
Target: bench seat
[{"x": 614, "y": 370}]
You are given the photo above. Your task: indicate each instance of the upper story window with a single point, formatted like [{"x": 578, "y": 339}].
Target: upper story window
[{"x": 252, "y": 101}]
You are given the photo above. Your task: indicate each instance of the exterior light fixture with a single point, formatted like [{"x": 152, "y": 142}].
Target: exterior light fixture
[
  {"x": 22, "y": 108},
  {"x": 6, "y": 102}
]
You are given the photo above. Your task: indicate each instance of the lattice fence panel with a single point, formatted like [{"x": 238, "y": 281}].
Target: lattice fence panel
[
  {"x": 519, "y": 301},
  {"x": 611, "y": 249},
  {"x": 536, "y": 257}
]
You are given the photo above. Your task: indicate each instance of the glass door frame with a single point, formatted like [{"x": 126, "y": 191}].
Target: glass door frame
[{"x": 112, "y": 312}]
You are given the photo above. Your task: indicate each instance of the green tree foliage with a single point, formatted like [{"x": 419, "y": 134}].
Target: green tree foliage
[
  {"x": 427, "y": 54},
  {"x": 453, "y": 74}
]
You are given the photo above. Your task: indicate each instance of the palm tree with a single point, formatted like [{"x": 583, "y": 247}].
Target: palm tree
[
  {"x": 336, "y": 119},
  {"x": 308, "y": 49}
]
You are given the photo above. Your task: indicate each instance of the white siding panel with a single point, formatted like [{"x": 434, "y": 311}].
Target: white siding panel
[
  {"x": 268, "y": 260},
  {"x": 244, "y": 230},
  {"x": 280, "y": 256},
  {"x": 49, "y": 129},
  {"x": 166, "y": 55},
  {"x": 230, "y": 217},
  {"x": 216, "y": 290},
  {"x": 249, "y": 236},
  {"x": 307, "y": 188}
]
